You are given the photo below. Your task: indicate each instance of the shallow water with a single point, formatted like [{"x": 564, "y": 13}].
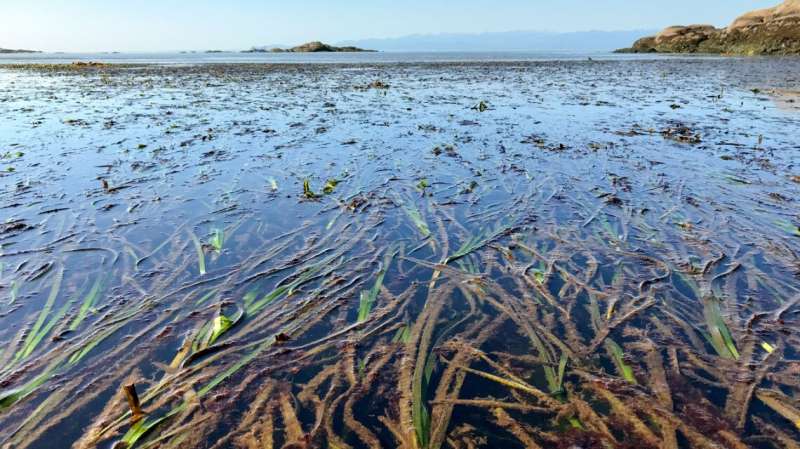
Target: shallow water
[
  {"x": 390, "y": 57},
  {"x": 513, "y": 254}
]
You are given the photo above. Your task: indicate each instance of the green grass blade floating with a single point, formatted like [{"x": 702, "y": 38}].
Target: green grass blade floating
[
  {"x": 201, "y": 256},
  {"x": 46, "y": 329},
  {"x": 236, "y": 367},
  {"x": 365, "y": 306},
  {"x": 618, "y": 356},
  {"x": 206, "y": 297},
  {"x": 402, "y": 335},
  {"x": 717, "y": 332},
  {"x": 222, "y": 324},
  {"x": 88, "y": 303},
  {"x": 369, "y": 297},
  {"x": 217, "y": 239},
  {"x": 287, "y": 289},
  {"x": 562, "y": 370},
  {"x": 34, "y": 336},
  {"x": 419, "y": 222},
  {"x": 422, "y": 422},
  {"x": 10, "y": 397},
  {"x": 478, "y": 241},
  {"x": 139, "y": 431}
]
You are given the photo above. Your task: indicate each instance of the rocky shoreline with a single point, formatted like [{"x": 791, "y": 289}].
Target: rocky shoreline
[
  {"x": 772, "y": 31},
  {"x": 310, "y": 47}
]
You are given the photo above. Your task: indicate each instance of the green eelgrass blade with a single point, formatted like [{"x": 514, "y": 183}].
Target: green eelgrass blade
[
  {"x": 718, "y": 333},
  {"x": 206, "y": 297},
  {"x": 365, "y": 306},
  {"x": 422, "y": 422},
  {"x": 35, "y": 335},
  {"x": 236, "y": 367},
  {"x": 402, "y": 335},
  {"x": 88, "y": 303},
  {"x": 11, "y": 397},
  {"x": 217, "y": 239},
  {"x": 220, "y": 325},
  {"x": 46, "y": 329},
  {"x": 618, "y": 356},
  {"x": 562, "y": 370},
  {"x": 477, "y": 242},
  {"x": 267, "y": 299},
  {"x": 201, "y": 256},
  {"x": 84, "y": 350},
  {"x": 142, "y": 428},
  {"x": 369, "y": 297},
  {"x": 419, "y": 222},
  {"x": 286, "y": 289}
]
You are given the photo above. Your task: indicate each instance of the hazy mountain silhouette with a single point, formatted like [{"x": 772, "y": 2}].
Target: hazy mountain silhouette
[{"x": 505, "y": 41}]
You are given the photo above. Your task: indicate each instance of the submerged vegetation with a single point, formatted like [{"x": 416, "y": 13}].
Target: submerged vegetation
[{"x": 246, "y": 280}]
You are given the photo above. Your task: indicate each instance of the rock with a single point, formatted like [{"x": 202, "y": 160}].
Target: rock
[
  {"x": 311, "y": 47},
  {"x": 317, "y": 47},
  {"x": 772, "y": 31}
]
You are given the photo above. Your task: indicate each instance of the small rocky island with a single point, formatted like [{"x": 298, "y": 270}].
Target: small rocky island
[
  {"x": 311, "y": 47},
  {"x": 6, "y": 51},
  {"x": 772, "y": 31}
]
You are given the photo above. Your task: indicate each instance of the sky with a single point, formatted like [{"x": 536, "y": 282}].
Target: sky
[{"x": 168, "y": 25}]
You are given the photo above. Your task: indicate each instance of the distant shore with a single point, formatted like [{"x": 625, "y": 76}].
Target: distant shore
[{"x": 6, "y": 51}]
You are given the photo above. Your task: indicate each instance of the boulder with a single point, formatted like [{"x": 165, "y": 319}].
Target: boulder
[{"x": 772, "y": 31}]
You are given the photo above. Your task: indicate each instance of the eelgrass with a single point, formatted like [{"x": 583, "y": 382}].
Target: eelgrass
[
  {"x": 201, "y": 255},
  {"x": 88, "y": 303},
  {"x": 41, "y": 327},
  {"x": 368, "y": 298},
  {"x": 618, "y": 356},
  {"x": 717, "y": 332}
]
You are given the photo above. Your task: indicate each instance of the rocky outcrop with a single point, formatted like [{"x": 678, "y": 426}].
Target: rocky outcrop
[
  {"x": 311, "y": 47},
  {"x": 772, "y": 31}
]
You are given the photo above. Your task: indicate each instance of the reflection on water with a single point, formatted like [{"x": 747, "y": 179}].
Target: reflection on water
[{"x": 527, "y": 254}]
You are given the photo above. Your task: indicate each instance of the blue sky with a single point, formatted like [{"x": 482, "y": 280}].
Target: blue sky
[{"x": 162, "y": 25}]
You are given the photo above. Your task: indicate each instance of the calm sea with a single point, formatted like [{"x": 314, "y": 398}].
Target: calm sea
[{"x": 326, "y": 58}]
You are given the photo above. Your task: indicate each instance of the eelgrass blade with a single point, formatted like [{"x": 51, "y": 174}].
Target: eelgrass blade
[
  {"x": 369, "y": 297},
  {"x": 88, "y": 304},
  {"x": 201, "y": 256},
  {"x": 618, "y": 356},
  {"x": 36, "y": 334},
  {"x": 217, "y": 239},
  {"x": 10, "y": 397},
  {"x": 478, "y": 241},
  {"x": 717, "y": 332},
  {"x": 139, "y": 431}
]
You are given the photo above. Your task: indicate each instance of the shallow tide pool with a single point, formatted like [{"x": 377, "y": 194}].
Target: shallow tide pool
[{"x": 554, "y": 254}]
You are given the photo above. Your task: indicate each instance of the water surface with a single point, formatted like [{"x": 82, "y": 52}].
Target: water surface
[{"x": 518, "y": 253}]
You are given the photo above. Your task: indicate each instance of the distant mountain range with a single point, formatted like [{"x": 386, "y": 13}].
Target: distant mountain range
[{"x": 505, "y": 41}]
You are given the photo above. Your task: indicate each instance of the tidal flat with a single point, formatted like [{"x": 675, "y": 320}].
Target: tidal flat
[{"x": 552, "y": 254}]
